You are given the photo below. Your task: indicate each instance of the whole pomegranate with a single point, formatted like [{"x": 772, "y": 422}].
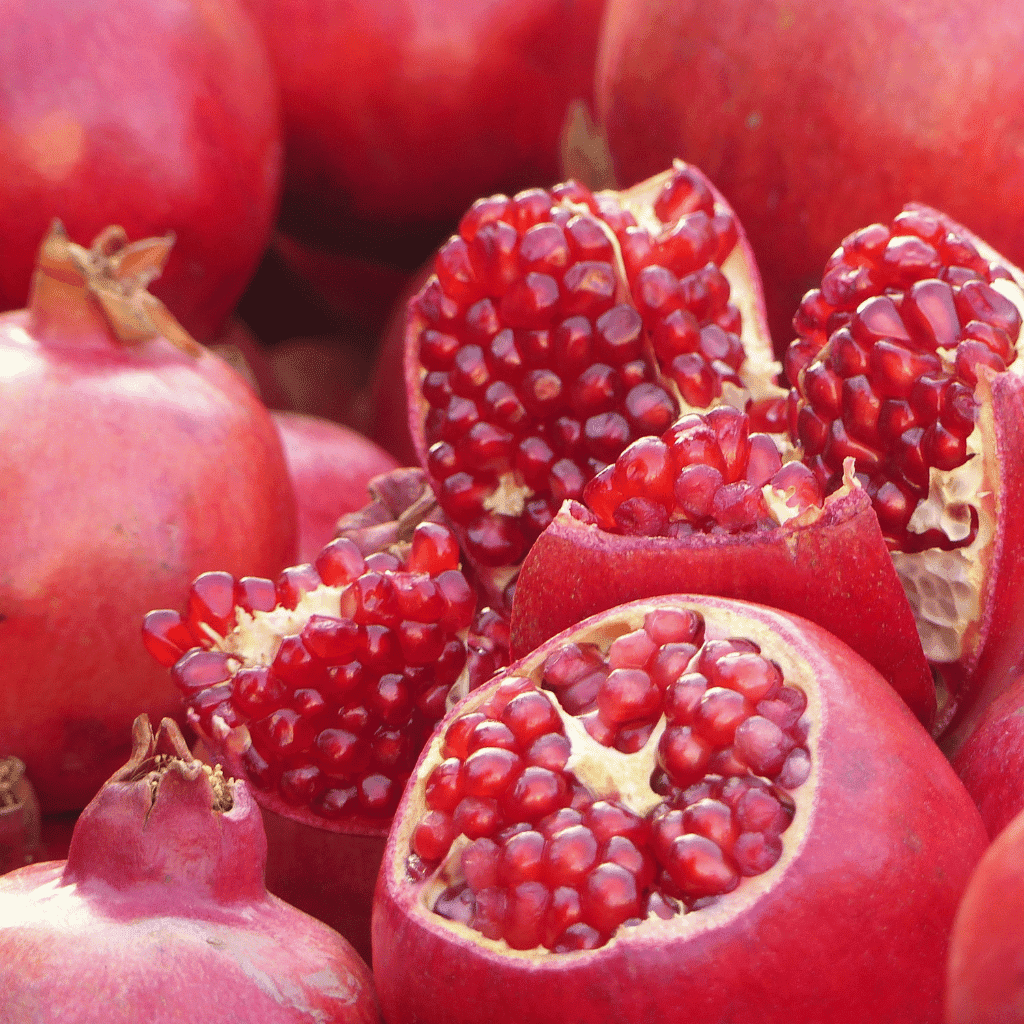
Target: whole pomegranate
[
  {"x": 815, "y": 118},
  {"x": 398, "y": 115},
  {"x": 160, "y": 913},
  {"x": 167, "y": 120},
  {"x": 130, "y": 460},
  {"x": 683, "y": 808}
]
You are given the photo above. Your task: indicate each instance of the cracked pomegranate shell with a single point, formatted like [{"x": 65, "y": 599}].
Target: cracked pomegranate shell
[
  {"x": 681, "y": 808},
  {"x": 907, "y": 360},
  {"x": 558, "y": 326},
  {"x": 711, "y": 508}
]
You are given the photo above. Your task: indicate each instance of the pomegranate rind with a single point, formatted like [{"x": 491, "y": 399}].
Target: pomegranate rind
[
  {"x": 850, "y": 924},
  {"x": 985, "y": 969},
  {"x": 833, "y": 569}
]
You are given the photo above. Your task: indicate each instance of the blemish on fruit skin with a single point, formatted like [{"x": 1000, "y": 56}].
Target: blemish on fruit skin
[
  {"x": 55, "y": 145},
  {"x": 754, "y": 120}
]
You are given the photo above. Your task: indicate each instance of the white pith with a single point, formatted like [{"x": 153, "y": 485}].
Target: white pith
[{"x": 628, "y": 779}]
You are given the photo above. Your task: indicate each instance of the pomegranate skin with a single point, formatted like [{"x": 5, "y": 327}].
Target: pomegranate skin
[
  {"x": 160, "y": 913},
  {"x": 812, "y": 132},
  {"x": 985, "y": 970},
  {"x": 330, "y": 465},
  {"x": 829, "y": 570},
  {"x": 126, "y": 471},
  {"x": 169, "y": 121},
  {"x": 851, "y": 924},
  {"x": 366, "y": 84}
]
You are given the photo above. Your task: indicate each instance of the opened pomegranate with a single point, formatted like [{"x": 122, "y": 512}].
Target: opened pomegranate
[
  {"x": 711, "y": 507},
  {"x": 985, "y": 971},
  {"x": 558, "y": 327},
  {"x": 906, "y": 360},
  {"x": 168, "y": 121},
  {"x": 130, "y": 460},
  {"x": 159, "y": 912},
  {"x": 682, "y": 807},
  {"x": 321, "y": 687}
]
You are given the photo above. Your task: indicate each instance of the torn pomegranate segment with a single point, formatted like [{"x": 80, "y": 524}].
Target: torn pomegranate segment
[
  {"x": 561, "y": 325},
  {"x": 906, "y": 360}
]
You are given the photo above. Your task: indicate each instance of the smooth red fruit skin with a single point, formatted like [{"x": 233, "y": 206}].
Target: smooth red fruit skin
[
  {"x": 812, "y": 132},
  {"x": 330, "y": 465},
  {"x": 985, "y": 970},
  {"x": 855, "y": 928},
  {"x": 165, "y": 121},
  {"x": 125, "y": 472},
  {"x": 991, "y": 761},
  {"x": 160, "y": 913},
  {"x": 835, "y": 571},
  {"x": 399, "y": 115}
]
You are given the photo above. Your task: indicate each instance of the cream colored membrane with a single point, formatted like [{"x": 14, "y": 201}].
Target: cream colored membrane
[
  {"x": 944, "y": 587},
  {"x": 612, "y": 774}
]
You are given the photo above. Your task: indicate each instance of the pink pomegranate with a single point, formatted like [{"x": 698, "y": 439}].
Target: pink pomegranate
[
  {"x": 681, "y": 807},
  {"x": 907, "y": 361},
  {"x": 168, "y": 121},
  {"x": 131, "y": 460},
  {"x": 710, "y": 506},
  {"x": 558, "y": 327},
  {"x": 160, "y": 912}
]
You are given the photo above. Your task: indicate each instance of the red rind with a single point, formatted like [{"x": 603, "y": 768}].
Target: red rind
[
  {"x": 852, "y": 926},
  {"x": 836, "y": 571}
]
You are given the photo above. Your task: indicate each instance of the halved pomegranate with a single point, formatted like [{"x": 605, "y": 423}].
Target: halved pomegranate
[
  {"x": 682, "y": 807},
  {"x": 320, "y": 688},
  {"x": 559, "y": 326},
  {"x": 710, "y": 507},
  {"x": 906, "y": 360}
]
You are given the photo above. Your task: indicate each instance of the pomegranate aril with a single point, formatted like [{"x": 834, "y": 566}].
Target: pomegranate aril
[
  {"x": 198, "y": 669},
  {"x": 211, "y": 604},
  {"x": 433, "y": 836},
  {"x": 536, "y": 793},
  {"x": 293, "y": 583},
  {"x": 711, "y": 819},
  {"x": 340, "y": 562},
  {"x": 609, "y": 898},
  {"x": 166, "y": 636},
  {"x": 683, "y": 754},
  {"x": 698, "y": 867},
  {"x": 444, "y": 785}
]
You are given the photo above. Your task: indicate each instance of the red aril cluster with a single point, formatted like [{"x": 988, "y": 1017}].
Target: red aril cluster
[
  {"x": 887, "y": 359},
  {"x": 326, "y": 682},
  {"x": 559, "y": 326},
  {"x": 706, "y": 473}
]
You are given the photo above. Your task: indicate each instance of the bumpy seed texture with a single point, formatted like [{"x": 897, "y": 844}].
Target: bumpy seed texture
[
  {"x": 707, "y": 473},
  {"x": 542, "y": 334},
  {"x": 338, "y": 670},
  {"x": 527, "y": 844},
  {"x": 887, "y": 359}
]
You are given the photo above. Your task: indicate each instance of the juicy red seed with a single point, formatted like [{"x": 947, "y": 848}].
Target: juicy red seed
[
  {"x": 437, "y": 349},
  {"x": 211, "y": 602},
  {"x": 698, "y": 867},
  {"x": 529, "y": 716},
  {"x": 610, "y": 897},
  {"x": 444, "y": 785},
  {"x": 536, "y": 793},
  {"x": 683, "y": 754},
  {"x": 631, "y": 650},
  {"x": 166, "y": 636},
  {"x": 476, "y": 817},
  {"x": 718, "y": 714},
  {"x": 293, "y": 583},
  {"x": 490, "y": 771},
  {"x": 199, "y": 668},
  {"x": 433, "y": 835},
  {"x": 606, "y": 818},
  {"x": 551, "y": 751},
  {"x": 712, "y": 819},
  {"x": 569, "y": 856},
  {"x": 627, "y": 694}
]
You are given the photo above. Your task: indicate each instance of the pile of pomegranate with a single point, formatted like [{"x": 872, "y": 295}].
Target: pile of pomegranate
[{"x": 453, "y": 577}]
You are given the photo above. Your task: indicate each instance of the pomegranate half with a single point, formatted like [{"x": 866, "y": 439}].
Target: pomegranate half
[{"x": 681, "y": 808}]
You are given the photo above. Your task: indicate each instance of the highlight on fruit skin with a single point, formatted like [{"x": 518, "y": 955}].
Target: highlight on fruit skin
[
  {"x": 656, "y": 810},
  {"x": 160, "y": 912}
]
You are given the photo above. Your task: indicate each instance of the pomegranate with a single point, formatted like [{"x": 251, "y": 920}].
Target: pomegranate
[
  {"x": 990, "y": 762},
  {"x": 682, "y": 806},
  {"x": 477, "y": 92},
  {"x": 169, "y": 121},
  {"x": 985, "y": 972},
  {"x": 321, "y": 688},
  {"x": 711, "y": 507},
  {"x": 812, "y": 131},
  {"x": 131, "y": 460},
  {"x": 330, "y": 466},
  {"x": 906, "y": 360},
  {"x": 561, "y": 325},
  {"x": 20, "y": 833},
  {"x": 160, "y": 912}
]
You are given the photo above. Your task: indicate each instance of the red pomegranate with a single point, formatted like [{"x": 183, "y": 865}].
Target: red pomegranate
[
  {"x": 711, "y": 507},
  {"x": 320, "y": 688},
  {"x": 330, "y": 466},
  {"x": 398, "y": 115},
  {"x": 985, "y": 972},
  {"x": 130, "y": 460},
  {"x": 165, "y": 121},
  {"x": 160, "y": 913},
  {"x": 559, "y": 326},
  {"x": 812, "y": 132},
  {"x": 682, "y": 808},
  {"x": 907, "y": 361}
]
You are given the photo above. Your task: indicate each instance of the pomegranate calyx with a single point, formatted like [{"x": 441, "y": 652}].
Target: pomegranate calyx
[
  {"x": 19, "y": 815},
  {"x": 113, "y": 275}
]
